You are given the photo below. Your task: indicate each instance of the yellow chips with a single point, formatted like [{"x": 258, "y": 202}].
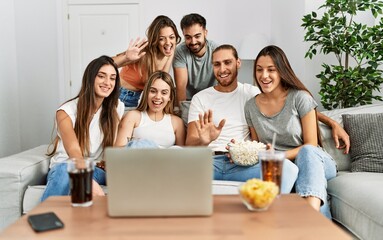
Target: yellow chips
[{"x": 258, "y": 193}]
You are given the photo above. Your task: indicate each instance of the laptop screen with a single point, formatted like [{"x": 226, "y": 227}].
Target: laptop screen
[{"x": 159, "y": 182}]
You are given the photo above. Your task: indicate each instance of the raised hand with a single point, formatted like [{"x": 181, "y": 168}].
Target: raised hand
[
  {"x": 134, "y": 51},
  {"x": 206, "y": 129}
]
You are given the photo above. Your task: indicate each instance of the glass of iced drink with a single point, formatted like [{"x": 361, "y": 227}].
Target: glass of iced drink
[{"x": 271, "y": 166}]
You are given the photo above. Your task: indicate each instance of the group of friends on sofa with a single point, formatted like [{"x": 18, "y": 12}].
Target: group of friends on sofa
[{"x": 205, "y": 105}]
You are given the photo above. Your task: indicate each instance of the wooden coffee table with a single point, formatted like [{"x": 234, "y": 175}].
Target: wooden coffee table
[{"x": 290, "y": 217}]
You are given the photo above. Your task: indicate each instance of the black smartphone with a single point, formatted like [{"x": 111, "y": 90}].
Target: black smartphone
[{"x": 45, "y": 221}]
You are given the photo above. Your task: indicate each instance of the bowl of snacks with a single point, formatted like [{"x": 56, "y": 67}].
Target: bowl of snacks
[
  {"x": 245, "y": 153},
  {"x": 258, "y": 195}
]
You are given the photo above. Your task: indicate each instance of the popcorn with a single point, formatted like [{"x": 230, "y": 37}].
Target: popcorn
[
  {"x": 258, "y": 194},
  {"x": 245, "y": 153}
]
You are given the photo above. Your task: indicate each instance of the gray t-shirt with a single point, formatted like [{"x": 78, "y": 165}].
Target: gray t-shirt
[
  {"x": 200, "y": 70},
  {"x": 286, "y": 124}
]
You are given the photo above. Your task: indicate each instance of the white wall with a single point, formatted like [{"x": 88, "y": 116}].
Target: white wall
[
  {"x": 227, "y": 21},
  {"x": 9, "y": 90},
  {"x": 31, "y": 46},
  {"x": 37, "y": 56}
]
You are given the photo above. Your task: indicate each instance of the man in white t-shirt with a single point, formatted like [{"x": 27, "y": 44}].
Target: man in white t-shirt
[{"x": 216, "y": 116}]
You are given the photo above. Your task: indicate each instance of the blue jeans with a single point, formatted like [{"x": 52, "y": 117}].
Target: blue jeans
[
  {"x": 129, "y": 98},
  {"x": 316, "y": 167},
  {"x": 58, "y": 180},
  {"x": 224, "y": 170}
]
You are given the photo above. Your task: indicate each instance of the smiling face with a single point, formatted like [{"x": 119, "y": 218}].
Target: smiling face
[
  {"x": 167, "y": 41},
  {"x": 105, "y": 81},
  {"x": 225, "y": 67},
  {"x": 267, "y": 75},
  {"x": 195, "y": 39},
  {"x": 158, "y": 95}
]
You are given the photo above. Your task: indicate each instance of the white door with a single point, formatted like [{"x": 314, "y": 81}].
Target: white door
[{"x": 96, "y": 30}]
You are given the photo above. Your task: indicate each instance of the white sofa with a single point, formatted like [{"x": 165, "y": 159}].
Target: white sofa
[{"x": 356, "y": 198}]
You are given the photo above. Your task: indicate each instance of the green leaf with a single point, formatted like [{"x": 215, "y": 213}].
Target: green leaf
[{"x": 338, "y": 33}]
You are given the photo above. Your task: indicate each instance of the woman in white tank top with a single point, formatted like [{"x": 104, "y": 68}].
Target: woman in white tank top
[{"x": 154, "y": 119}]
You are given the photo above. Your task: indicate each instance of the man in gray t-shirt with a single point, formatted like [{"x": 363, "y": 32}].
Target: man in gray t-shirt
[{"x": 192, "y": 66}]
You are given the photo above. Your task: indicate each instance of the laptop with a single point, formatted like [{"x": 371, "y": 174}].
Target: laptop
[{"x": 159, "y": 182}]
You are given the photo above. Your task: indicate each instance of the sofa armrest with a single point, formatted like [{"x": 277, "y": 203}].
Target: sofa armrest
[{"x": 17, "y": 172}]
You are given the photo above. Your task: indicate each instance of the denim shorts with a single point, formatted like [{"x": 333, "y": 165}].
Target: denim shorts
[{"x": 129, "y": 98}]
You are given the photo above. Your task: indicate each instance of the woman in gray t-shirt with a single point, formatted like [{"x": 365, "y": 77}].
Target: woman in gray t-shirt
[{"x": 286, "y": 107}]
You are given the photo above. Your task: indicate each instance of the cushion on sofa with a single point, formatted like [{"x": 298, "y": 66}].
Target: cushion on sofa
[
  {"x": 343, "y": 160},
  {"x": 16, "y": 173},
  {"x": 32, "y": 197},
  {"x": 366, "y": 138},
  {"x": 356, "y": 203}
]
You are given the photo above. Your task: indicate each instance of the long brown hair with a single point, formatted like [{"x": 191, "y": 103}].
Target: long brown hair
[
  {"x": 86, "y": 106},
  {"x": 289, "y": 79},
  {"x": 153, "y": 34},
  {"x": 143, "y": 106}
]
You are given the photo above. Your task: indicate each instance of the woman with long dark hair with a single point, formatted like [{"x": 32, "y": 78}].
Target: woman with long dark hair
[
  {"x": 286, "y": 107},
  {"x": 86, "y": 124}
]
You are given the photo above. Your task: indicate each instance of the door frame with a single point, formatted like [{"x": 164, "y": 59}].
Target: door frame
[{"x": 64, "y": 72}]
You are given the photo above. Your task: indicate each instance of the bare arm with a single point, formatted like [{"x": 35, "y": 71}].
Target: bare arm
[
  {"x": 68, "y": 136},
  {"x": 203, "y": 131},
  {"x": 71, "y": 144},
  {"x": 338, "y": 133},
  {"x": 168, "y": 63},
  {"x": 181, "y": 79},
  {"x": 132, "y": 54},
  {"x": 125, "y": 129},
  {"x": 179, "y": 130},
  {"x": 253, "y": 134}
]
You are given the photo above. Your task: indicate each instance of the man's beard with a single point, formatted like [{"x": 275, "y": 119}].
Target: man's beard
[
  {"x": 201, "y": 46},
  {"x": 232, "y": 79}
]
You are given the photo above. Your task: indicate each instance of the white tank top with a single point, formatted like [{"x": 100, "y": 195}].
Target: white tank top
[{"x": 160, "y": 132}]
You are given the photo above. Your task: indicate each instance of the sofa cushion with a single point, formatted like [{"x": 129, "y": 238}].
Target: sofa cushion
[
  {"x": 343, "y": 160},
  {"x": 32, "y": 197},
  {"x": 366, "y": 134},
  {"x": 356, "y": 203},
  {"x": 16, "y": 173}
]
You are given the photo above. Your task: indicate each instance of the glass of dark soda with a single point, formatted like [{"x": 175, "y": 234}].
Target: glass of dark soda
[
  {"x": 80, "y": 181},
  {"x": 271, "y": 166}
]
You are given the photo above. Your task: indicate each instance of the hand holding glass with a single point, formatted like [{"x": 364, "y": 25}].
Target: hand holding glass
[{"x": 81, "y": 177}]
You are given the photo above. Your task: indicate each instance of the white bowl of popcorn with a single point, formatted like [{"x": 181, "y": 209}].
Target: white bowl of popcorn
[
  {"x": 258, "y": 195},
  {"x": 245, "y": 153}
]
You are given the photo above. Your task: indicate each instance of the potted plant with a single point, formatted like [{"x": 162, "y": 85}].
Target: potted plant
[{"x": 358, "y": 49}]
